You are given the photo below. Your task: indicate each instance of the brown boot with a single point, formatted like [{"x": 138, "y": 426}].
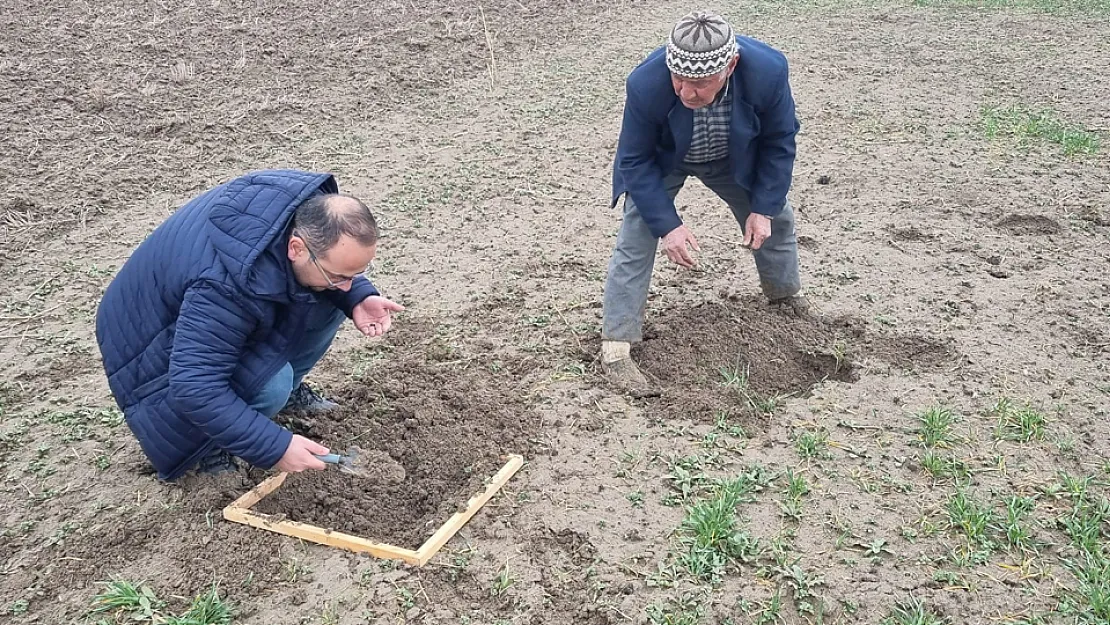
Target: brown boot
[
  {"x": 798, "y": 304},
  {"x": 622, "y": 372}
]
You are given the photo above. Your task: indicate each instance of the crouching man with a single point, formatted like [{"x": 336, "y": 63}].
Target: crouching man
[{"x": 209, "y": 328}]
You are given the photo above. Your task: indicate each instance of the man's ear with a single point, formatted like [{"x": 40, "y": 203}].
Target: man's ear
[
  {"x": 733, "y": 62},
  {"x": 296, "y": 246}
]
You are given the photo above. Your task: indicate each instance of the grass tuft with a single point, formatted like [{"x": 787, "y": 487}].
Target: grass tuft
[
  {"x": 1027, "y": 125},
  {"x": 1018, "y": 423},
  {"x": 936, "y": 426},
  {"x": 912, "y": 611}
]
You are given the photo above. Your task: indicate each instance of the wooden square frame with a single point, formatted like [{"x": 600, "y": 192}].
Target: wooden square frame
[{"x": 239, "y": 511}]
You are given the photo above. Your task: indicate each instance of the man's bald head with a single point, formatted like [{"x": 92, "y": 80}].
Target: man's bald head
[{"x": 323, "y": 219}]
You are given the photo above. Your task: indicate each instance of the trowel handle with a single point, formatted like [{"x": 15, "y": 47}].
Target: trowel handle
[{"x": 330, "y": 458}]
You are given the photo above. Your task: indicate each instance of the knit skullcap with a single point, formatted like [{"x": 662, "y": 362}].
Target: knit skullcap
[{"x": 700, "y": 45}]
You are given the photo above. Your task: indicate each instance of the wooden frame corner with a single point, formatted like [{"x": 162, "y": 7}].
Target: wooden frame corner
[{"x": 239, "y": 511}]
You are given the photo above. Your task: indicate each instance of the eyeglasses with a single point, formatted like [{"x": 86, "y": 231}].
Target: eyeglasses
[{"x": 340, "y": 280}]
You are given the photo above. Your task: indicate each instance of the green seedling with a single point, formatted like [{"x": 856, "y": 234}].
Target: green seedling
[
  {"x": 942, "y": 467},
  {"x": 796, "y": 489},
  {"x": 685, "y": 610},
  {"x": 502, "y": 582},
  {"x": 812, "y": 445},
  {"x": 970, "y": 517},
  {"x": 207, "y": 609},
  {"x": 1017, "y": 532},
  {"x": 936, "y": 426},
  {"x": 122, "y": 597},
  {"x": 1018, "y": 423},
  {"x": 912, "y": 611},
  {"x": 710, "y": 536}
]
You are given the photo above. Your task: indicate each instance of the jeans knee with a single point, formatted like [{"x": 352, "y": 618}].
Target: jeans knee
[{"x": 273, "y": 395}]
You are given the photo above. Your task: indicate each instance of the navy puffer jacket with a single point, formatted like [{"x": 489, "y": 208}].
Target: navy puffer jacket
[{"x": 203, "y": 314}]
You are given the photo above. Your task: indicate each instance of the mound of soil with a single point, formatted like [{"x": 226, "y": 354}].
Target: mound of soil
[
  {"x": 449, "y": 428},
  {"x": 1022, "y": 225},
  {"x": 693, "y": 353},
  {"x": 737, "y": 354}
]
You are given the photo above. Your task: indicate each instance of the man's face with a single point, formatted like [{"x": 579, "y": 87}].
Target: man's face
[
  {"x": 696, "y": 93},
  {"x": 335, "y": 268}
]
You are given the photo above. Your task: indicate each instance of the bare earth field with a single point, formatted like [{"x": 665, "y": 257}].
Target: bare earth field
[{"x": 931, "y": 447}]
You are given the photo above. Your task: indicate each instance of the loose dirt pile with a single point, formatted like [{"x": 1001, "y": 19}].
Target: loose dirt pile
[
  {"x": 739, "y": 356},
  {"x": 448, "y": 426}
]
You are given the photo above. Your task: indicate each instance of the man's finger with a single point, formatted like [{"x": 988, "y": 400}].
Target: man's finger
[
  {"x": 392, "y": 305},
  {"x": 747, "y": 242},
  {"x": 694, "y": 243},
  {"x": 314, "y": 447},
  {"x": 683, "y": 256}
]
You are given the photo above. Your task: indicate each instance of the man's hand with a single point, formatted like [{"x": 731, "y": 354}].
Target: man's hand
[
  {"x": 674, "y": 244},
  {"x": 756, "y": 231},
  {"x": 299, "y": 456},
  {"x": 373, "y": 315}
]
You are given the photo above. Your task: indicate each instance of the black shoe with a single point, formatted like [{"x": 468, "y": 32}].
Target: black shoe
[
  {"x": 216, "y": 462},
  {"x": 305, "y": 400}
]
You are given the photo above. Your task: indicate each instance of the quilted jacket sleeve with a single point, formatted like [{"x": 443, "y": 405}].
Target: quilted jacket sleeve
[{"x": 212, "y": 330}]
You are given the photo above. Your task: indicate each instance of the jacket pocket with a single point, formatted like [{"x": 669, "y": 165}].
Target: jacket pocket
[{"x": 146, "y": 390}]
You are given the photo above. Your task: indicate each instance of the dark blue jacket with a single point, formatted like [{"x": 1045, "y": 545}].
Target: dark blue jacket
[
  {"x": 657, "y": 129},
  {"x": 203, "y": 314}
]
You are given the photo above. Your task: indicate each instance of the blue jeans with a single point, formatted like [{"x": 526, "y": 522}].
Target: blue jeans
[
  {"x": 629, "y": 277},
  {"x": 320, "y": 328}
]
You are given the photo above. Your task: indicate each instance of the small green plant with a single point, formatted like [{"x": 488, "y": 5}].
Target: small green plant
[
  {"x": 294, "y": 570},
  {"x": 812, "y": 445},
  {"x": 710, "y": 537},
  {"x": 207, "y": 609},
  {"x": 949, "y": 578},
  {"x": 803, "y": 583},
  {"x": 936, "y": 426},
  {"x": 121, "y": 598},
  {"x": 19, "y": 606},
  {"x": 912, "y": 611},
  {"x": 502, "y": 582},
  {"x": 875, "y": 549},
  {"x": 688, "y": 478},
  {"x": 796, "y": 489},
  {"x": 724, "y": 424},
  {"x": 1016, "y": 531},
  {"x": 1018, "y": 423},
  {"x": 636, "y": 498},
  {"x": 769, "y": 613},
  {"x": 684, "y": 610},
  {"x": 736, "y": 377},
  {"x": 942, "y": 467},
  {"x": 1026, "y": 125},
  {"x": 405, "y": 599},
  {"x": 971, "y": 517}
]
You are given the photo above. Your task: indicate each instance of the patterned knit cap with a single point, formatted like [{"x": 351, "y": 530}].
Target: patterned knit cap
[{"x": 700, "y": 45}]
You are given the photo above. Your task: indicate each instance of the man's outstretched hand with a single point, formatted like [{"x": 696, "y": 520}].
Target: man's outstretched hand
[
  {"x": 675, "y": 246},
  {"x": 299, "y": 456},
  {"x": 374, "y": 315}
]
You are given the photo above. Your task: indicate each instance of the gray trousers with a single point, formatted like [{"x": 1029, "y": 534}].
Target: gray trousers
[{"x": 629, "y": 278}]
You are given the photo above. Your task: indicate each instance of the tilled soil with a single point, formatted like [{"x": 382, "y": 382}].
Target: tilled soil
[{"x": 448, "y": 427}]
